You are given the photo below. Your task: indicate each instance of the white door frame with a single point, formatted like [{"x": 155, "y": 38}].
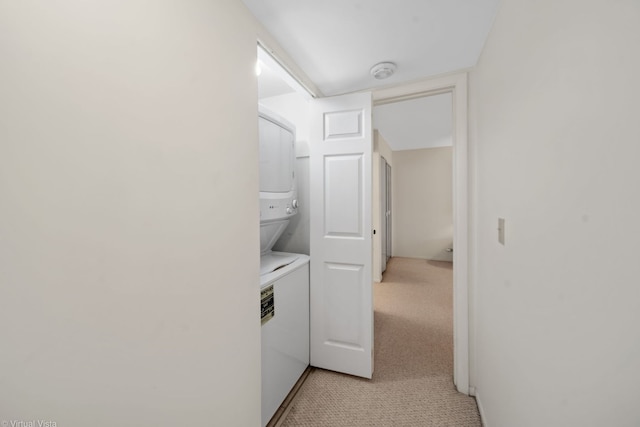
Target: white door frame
[{"x": 456, "y": 84}]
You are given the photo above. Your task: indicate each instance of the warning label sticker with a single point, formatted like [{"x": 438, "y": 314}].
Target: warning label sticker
[{"x": 267, "y": 306}]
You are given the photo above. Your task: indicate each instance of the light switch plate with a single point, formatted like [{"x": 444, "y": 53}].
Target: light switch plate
[{"x": 501, "y": 230}]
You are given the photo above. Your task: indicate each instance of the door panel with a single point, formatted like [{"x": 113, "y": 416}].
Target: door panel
[
  {"x": 346, "y": 290},
  {"x": 341, "y": 299},
  {"x": 343, "y": 195},
  {"x": 343, "y": 124}
]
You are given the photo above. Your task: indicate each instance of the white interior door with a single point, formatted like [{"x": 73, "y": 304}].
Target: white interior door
[
  {"x": 387, "y": 215},
  {"x": 383, "y": 212},
  {"x": 341, "y": 294}
]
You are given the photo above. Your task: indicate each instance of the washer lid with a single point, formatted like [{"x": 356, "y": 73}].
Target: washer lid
[{"x": 274, "y": 260}]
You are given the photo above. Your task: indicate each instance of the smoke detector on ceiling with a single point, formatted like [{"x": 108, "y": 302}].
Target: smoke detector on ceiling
[{"x": 383, "y": 70}]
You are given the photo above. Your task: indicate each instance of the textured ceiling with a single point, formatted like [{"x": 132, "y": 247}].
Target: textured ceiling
[{"x": 336, "y": 42}]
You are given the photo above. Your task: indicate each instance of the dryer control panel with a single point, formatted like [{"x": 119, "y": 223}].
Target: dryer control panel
[{"x": 277, "y": 208}]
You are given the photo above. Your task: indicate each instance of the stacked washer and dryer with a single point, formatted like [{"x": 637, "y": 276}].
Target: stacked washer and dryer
[{"x": 284, "y": 277}]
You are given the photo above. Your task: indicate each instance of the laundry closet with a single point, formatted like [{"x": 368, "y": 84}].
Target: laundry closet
[
  {"x": 283, "y": 125},
  {"x": 320, "y": 206}
]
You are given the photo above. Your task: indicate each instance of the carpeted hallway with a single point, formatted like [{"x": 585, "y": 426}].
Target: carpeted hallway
[{"x": 412, "y": 383}]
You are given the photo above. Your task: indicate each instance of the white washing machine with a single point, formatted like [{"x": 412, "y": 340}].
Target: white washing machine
[{"x": 285, "y": 328}]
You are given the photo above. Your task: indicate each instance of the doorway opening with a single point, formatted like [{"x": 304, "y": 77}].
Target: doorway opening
[
  {"x": 418, "y": 134},
  {"x": 456, "y": 84}
]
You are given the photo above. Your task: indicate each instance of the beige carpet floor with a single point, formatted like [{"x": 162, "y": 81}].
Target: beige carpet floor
[{"x": 412, "y": 383}]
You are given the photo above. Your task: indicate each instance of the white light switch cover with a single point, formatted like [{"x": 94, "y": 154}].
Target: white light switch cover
[{"x": 501, "y": 230}]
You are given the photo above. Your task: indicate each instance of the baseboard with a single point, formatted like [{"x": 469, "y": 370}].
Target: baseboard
[
  {"x": 483, "y": 419},
  {"x": 281, "y": 414}
]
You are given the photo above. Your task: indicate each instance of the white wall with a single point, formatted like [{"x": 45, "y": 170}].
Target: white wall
[
  {"x": 424, "y": 122},
  {"x": 293, "y": 107},
  {"x": 380, "y": 149},
  {"x": 554, "y": 141},
  {"x": 422, "y": 203},
  {"x": 381, "y": 146},
  {"x": 128, "y": 197}
]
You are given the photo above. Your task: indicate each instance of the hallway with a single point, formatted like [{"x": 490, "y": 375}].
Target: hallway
[{"x": 412, "y": 381}]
